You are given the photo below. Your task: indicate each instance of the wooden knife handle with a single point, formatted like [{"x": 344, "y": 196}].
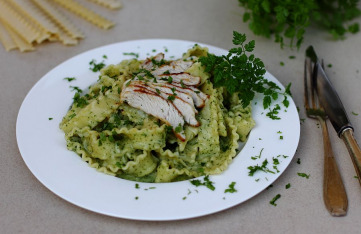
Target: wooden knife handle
[
  {"x": 353, "y": 149},
  {"x": 334, "y": 193}
]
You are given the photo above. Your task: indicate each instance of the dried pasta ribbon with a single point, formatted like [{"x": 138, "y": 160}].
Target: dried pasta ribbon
[
  {"x": 111, "y": 4},
  {"x": 59, "y": 18},
  {"x": 17, "y": 23},
  {"x": 39, "y": 17},
  {"x": 85, "y": 13},
  {"x": 65, "y": 38},
  {"x": 42, "y": 34},
  {"x": 19, "y": 41},
  {"x": 6, "y": 39}
]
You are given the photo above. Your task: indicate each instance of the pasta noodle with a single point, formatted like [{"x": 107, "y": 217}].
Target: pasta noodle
[{"x": 121, "y": 140}]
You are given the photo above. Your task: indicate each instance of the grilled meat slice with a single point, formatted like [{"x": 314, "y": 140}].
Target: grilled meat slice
[
  {"x": 148, "y": 63},
  {"x": 177, "y": 66},
  {"x": 187, "y": 110},
  {"x": 184, "y": 77},
  {"x": 153, "y": 104}
]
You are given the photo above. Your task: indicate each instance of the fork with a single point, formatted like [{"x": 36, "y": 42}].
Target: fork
[{"x": 334, "y": 194}]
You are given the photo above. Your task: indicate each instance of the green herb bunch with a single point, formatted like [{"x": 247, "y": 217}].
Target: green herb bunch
[
  {"x": 242, "y": 73},
  {"x": 290, "y": 18}
]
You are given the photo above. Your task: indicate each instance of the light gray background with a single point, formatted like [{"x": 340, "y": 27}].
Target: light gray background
[{"x": 26, "y": 206}]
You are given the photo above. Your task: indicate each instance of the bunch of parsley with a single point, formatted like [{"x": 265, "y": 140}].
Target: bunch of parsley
[
  {"x": 289, "y": 18},
  {"x": 244, "y": 74}
]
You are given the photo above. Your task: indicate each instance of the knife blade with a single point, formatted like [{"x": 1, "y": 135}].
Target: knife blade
[
  {"x": 334, "y": 109},
  {"x": 330, "y": 101}
]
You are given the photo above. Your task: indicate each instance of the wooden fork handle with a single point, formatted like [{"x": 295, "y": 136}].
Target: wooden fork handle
[
  {"x": 353, "y": 149},
  {"x": 334, "y": 193}
]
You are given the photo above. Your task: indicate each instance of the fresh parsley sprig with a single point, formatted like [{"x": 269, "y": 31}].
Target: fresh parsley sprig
[
  {"x": 288, "y": 20},
  {"x": 242, "y": 73}
]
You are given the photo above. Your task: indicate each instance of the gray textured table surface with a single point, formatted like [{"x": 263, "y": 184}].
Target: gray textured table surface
[{"x": 26, "y": 206}]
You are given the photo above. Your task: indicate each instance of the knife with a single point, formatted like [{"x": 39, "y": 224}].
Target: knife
[{"x": 335, "y": 110}]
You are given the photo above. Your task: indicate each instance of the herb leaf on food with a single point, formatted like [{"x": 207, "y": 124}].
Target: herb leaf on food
[{"x": 242, "y": 73}]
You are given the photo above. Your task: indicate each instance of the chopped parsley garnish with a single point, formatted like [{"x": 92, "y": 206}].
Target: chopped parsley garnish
[
  {"x": 275, "y": 161},
  {"x": 136, "y": 55},
  {"x": 292, "y": 57},
  {"x": 282, "y": 63},
  {"x": 158, "y": 91},
  {"x": 298, "y": 161},
  {"x": 69, "y": 79},
  {"x": 102, "y": 138},
  {"x": 168, "y": 129},
  {"x": 147, "y": 73},
  {"x": 179, "y": 128},
  {"x": 158, "y": 63},
  {"x": 274, "y": 112},
  {"x": 79, "y": 101},
  {"x": 75, "y": 88},
  {"x": 136, "y": 198},
  {"x": 171, "y": 97},
  {"x": 273, "y": 201},
  {"x": 206, "y": 182},
  {"x": 95, "y": 67},
  {"x": 105, "y": 57},
  {"x": 257, "y": 156},
  {"x": 182, "y": 84},
  {"x": 329, "y": 65},
  {"x": 354, "y": 113},
  {"x": 288, "y": 186},
  {"x": 137, "y": 186},
  {"x": 50, "y": 118},
  {"x": 72, "y": 116},
  {"x": 154, "y": 50},
  {"x": 231, "y": 188},
  {"x": 263, "y": 167},
  {"x": 242, "y": 73},
  {"x": 170, "y": 80},
  {"x": 356, "y": 177},
  {"x": 303, "y": 175}
]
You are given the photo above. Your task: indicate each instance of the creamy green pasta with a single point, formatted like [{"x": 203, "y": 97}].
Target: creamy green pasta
[{"x": 121, "y": 140}]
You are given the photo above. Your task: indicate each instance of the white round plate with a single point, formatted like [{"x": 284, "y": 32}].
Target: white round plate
[{"x": 43, "y": 147}]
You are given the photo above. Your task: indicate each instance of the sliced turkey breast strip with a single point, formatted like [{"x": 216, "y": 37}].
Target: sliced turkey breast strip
[
  {"x": 155, "y": 105},
  {"x": 188, "y": 111},
  {"x": 198, "y": 97},
  {"x": 148, "y": 63},
  {"x": 172, "y": 89},
  {"x": 186, "y": 78},
  {"x": 200, "y": 94},
  {"x": 184, "y": 65},
  {"x": 163, "y": 87},
  {"x": 174, "y": 67}
]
